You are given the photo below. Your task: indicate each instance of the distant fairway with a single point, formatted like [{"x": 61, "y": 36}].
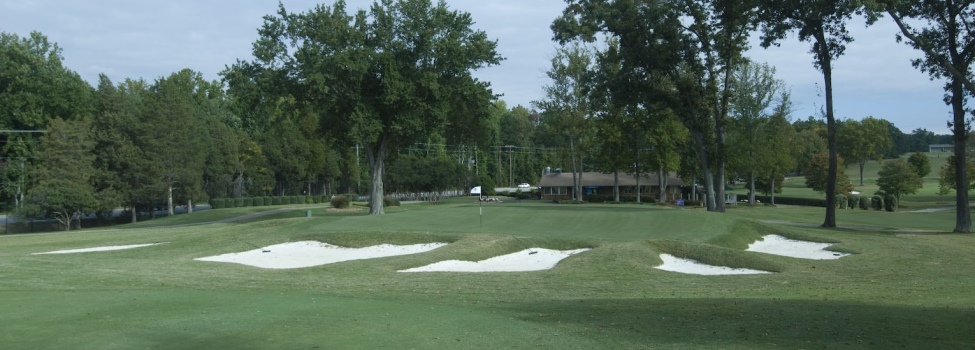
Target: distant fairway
[{"x": 897, "y": 290}]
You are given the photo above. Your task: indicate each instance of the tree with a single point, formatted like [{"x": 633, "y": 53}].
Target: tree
[
  {"x": 755, "y": 90},
  {"x": 35, "y": 88},
  {"x": 176, "y": 133},
  {"x": 383, "y": 78},
  {"x": 670, "y": 63},
  {"x": 946, "y": 178},
  {"x": 62, "y": 178},
  {"x": 824, "y": 23},
  {"x": 948, "y": 44},
  {"x": 567, "y": 103},
  {"x": 863, "y": 140},
  {"x": 897, "y": 177},
  {"x": 920, "y": 163},
  {"x": 780, "y": 155},
  {"x": 817, "y": 176}
]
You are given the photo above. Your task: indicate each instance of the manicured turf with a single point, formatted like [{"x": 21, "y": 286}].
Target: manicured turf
[{"x": 897, "y": 291}]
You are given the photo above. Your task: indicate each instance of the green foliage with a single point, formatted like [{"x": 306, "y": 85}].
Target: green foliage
[
  {"x": 258, "y": 201},
  {"x": 238, "y": 202},
  {"x": 841, "y": 201},
  {"x": 392, "y": 75},
  {"x": 817, "y": 174},
  {"x": 877, "y": 203},
  {"x": 946, "y": 177},
  {"x": 865, "y": 203},
  {"x": 921, "y": 164},
  {"x": 890, "y": 203},
  {"x": 339, "y": 202},
  {"x": 63, "y": 176},
  {"x": 248, "y": 202},
  {"x": 897, "y": 177},
  {"x": 863, "y": 140},
  {"x": 218, "y": 203},
  {"x": 853, "y": 202},
  {"x": 809, "y": 202},
  {"x": 390, "y": 202}
]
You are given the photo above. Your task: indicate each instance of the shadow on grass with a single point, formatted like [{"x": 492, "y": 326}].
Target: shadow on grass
[{"x": 759, "y": 323}]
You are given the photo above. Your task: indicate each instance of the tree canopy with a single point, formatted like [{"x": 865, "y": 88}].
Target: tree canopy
[{"x": 385, "y": 77}]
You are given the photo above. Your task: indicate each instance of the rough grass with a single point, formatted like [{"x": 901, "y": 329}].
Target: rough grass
[{"x": 899, "y": 291}]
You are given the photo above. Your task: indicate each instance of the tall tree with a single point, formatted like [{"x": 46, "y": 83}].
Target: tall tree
[
  {"x": 176, "y": 136},
  {"x": 755, "y": 90},
  {"x": 35, "y": 88},
  {"x": 62, "y": 178},
  {"x": 946, "y": 37},
  {"x": 384, "y": 78},
  {"x": 863, "y": 140},
  {"x": 823, "y": 22},
  {"x": 567, "y": 101}
]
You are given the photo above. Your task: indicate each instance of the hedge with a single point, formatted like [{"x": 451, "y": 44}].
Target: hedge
[
  {"x": 864, "y": 203},
  {"x": 890, "y": 203},
  {"x": 877, "y": 203},
  {"x": 340, "y": 202},
  {"x": 808, "y": 202}
]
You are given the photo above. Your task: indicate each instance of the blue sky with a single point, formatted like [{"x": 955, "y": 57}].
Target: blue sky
[{"x": 153, "y": 38}]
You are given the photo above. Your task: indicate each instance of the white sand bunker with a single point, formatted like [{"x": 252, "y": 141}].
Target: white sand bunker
[
  {"x": 311, "y": 253},
  {"x": 778, "y": 245},
  {"x": 694, "y": 267},
  {"x": 98, "y": 249},
  {"x": 525, "y": 260}
]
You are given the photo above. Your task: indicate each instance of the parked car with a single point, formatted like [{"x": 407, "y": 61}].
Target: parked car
[{"x": 524, "y": 185}]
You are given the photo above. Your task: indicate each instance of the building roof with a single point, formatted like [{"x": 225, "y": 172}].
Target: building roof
[{"x": 594, "y": 179}]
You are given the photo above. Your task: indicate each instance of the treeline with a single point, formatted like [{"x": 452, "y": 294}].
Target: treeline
[{"x": 385, "y": 101}]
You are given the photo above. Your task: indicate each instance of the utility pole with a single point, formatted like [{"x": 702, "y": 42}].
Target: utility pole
[{"x": 511, "y": 180}]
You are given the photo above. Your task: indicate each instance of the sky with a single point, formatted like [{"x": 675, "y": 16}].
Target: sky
[{"x": 153, "y": 38}]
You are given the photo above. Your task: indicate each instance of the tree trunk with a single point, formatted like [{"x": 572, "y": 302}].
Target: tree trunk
[
  {"x": 376, "y": 154},
  {"x": 826, "y": 65},
  {"x": 169, "y": 200},
  {"x": 662, "y": 185},
  {"x": 751, "y": 188},
  {"x": 963, "y": 217},
  {"x": 702, "y": 153},
  {"x": 721, "y": 180},
  {"x": 572, "y": 154},
  {"x": 135, "y": 212},
  {"x": 616, "y": 186},
  {"x": 772, "y": 194},
  {"x": 189, "y": 206},
  {"x": 862, "y": 163},
  {"x": 639, "y": 193}
]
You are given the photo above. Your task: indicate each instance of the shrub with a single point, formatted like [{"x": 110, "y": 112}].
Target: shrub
[
  {"x": 865, "y": 203},
  {"x": 238, "y": 202},
  {"x": 890, "y": 203},
  {"x": 390, "y": 202},
  {"x": 340, "y": 202},
  {"x": 853, "y": 202},
  {"x": 809, "y": 202},
  {"x": 248, "y": 202},
  {"x": 275, "y": 200},
  {"x": 218, "y": 203},
  {"x": 841, "y": 201},
  {"x": 877, "y": 203},
  {"x": 258, "y": 201}
]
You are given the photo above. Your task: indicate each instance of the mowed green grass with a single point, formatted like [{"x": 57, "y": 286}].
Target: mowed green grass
[
  {"x": 897, "y": 291},
  {"x": 926, "y": 197}
]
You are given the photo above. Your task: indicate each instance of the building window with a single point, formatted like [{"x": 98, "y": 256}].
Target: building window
[{"x": 555, "y": 190}]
